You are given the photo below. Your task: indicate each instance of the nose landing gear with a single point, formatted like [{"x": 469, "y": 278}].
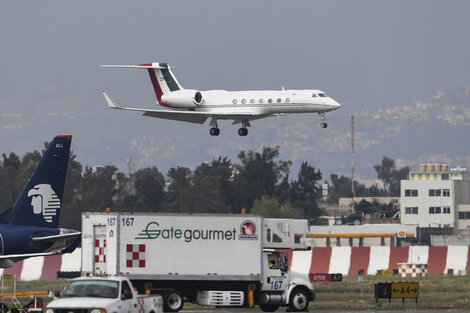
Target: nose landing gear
[{"x": 322, "y": 117}]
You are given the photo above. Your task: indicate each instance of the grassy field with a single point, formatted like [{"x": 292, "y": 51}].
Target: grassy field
[{"x": 436, "y": 292}]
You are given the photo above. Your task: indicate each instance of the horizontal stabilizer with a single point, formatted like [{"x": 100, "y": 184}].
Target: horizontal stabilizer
[
  {"x": 135, "y": 66},
  {"x": 55, "y": 237}
]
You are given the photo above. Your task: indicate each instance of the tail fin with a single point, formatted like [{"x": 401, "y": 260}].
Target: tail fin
[
  {"x": 162, "y": 78},
  {"x": 41, "y": 199}
]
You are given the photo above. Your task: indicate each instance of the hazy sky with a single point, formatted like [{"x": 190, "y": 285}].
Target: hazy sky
[{"x": 402, "y": 67}]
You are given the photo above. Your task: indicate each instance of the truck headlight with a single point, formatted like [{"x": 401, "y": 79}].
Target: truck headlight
[{"x": 95, "y": 311}]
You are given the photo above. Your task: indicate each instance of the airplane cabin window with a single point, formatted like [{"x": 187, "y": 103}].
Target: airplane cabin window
[
  {"x": 234, "y": 101},
  {"x": 260, "y": 100},
  {"x": 278, "y": 99},
  {"x": 314, "y": 95},
  {"x": 287, "y": 100},
  {"x": 270, "y": 100},
  {"x": 252, "y": 101},
  {"x": 243, "y": 101},
  {"x": 322, "y": 95}
]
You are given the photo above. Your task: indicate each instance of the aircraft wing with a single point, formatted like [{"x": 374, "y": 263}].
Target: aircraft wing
[{"x": 184, "y": 116}]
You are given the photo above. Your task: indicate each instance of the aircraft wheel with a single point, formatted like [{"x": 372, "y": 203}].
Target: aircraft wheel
[
  {"x": 214, "y": 131},
  {"x": 242, "y": 131},
  {"x": 324, "y": 125}
]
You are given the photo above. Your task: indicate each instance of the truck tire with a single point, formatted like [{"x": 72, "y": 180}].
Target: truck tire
[
  {"x": 298, "y": 301},
  {"x": 268, "y": 307},
  {"x": 3, "y": 308},
  {"x": 172, "y": 301}
]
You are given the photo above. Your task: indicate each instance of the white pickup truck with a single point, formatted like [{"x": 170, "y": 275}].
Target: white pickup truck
[{"x": 103, "y": 295}]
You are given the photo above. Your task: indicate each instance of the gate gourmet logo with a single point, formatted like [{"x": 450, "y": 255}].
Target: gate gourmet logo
[
  {"x": 248, "y": 231},
  {"x": 153, "y": 231},
  {"x": 44, "y": 201}
]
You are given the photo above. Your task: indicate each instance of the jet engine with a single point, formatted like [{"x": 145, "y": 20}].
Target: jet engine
[{"x": 185, "y": 98}]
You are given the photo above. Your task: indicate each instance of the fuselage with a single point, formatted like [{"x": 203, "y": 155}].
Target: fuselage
[
  {"x": 258, "y": 102},
  {"x": 17, "y": 239}
]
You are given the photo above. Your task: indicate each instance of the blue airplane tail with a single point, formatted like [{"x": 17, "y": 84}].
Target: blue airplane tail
[{"x": 41, "y": 199}]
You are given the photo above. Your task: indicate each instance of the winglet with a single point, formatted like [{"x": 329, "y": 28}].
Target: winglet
[{"x": 110, "y": 101}]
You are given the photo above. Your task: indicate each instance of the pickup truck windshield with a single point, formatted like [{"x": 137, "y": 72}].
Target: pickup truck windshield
[{"x": 92, "y": 288}]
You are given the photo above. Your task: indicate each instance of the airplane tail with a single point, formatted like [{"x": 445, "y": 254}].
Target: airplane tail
[
  {"x": 163, "y": 79},
  {"x": 41, "y": 199}
]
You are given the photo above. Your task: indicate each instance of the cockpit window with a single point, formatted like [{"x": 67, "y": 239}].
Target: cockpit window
[
  {"x": 314, "y": 95},
  {"x": 322, "y": 95}
]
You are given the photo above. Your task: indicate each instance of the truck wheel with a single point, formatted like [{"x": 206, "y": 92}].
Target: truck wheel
[
  {"x": 268, "y": 307},
  {"x": 298, "y": 301},
  {"x": 173, "y": 301}
]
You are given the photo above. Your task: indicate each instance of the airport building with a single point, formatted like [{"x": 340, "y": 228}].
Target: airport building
[{"x": 436, "y": 197}]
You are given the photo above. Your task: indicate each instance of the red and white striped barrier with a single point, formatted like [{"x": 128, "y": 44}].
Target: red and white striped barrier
[
  {"x": 344, "y": 260},
  {"x": 45, "y": 267},
  {"x": 349, "y": 260}
]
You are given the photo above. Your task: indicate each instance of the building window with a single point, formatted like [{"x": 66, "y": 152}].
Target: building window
[
  {"x": 445, "y": 176},
  {"x": 446, "y": 210},
  {"x": 411, "y": 210},
  {"x": 446, "y": 192},
  {"x": 464, "y": 215},
  {"x": 435, "y": 210},
  {"x": 411, "y": 192},
  {"x": 434, "y": 192}
]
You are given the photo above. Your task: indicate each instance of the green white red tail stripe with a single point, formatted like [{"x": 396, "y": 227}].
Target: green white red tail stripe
[{"x": 162, "y": 78}]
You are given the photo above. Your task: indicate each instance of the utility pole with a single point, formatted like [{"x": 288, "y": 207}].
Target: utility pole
[{"x": 352, "y": 160}]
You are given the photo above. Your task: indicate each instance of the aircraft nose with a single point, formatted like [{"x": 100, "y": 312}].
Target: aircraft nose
[{"x": 336, "y": 105}]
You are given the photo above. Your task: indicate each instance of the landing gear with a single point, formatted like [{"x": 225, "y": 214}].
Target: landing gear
[
  {"x": 322, "y": 117},
  {"x": 214, "y": 131},
  {"x": 242, "y": 131}
]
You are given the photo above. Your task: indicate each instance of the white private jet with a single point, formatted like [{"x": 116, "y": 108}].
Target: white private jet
[{"x": 193, "y": 106}]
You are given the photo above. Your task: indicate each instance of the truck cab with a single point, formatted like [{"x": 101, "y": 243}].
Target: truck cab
[{"x": 281, "y": 286}]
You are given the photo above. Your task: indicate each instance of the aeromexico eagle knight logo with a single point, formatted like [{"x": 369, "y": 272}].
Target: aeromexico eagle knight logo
[{"x": 44, "y": 201}]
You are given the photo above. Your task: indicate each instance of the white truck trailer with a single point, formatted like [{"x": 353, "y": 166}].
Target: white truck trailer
[{"x": 221, "y": 260}]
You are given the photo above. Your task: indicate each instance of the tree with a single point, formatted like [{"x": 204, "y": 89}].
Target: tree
[
  {"x": 390, "y": 176},
  {"x": 271, "y": 207},
  {"x": 97, "y": 189},
  {"x": 257, "y": 176},
  {"x": 179, "y": 197},
  {"x": 305, "y": 191},
  {"x": 211, "y": 187},
  {"x": 149, "y": 190}
]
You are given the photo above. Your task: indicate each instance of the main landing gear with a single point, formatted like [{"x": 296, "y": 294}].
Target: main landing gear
[
  {"x": 322, "y": 117},
  {"x": 214, "y": 131},
  {"x": 243, "y": 131}
]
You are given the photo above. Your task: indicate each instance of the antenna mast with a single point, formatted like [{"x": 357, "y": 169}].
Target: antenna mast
[{"x": 352, "y": 159}]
